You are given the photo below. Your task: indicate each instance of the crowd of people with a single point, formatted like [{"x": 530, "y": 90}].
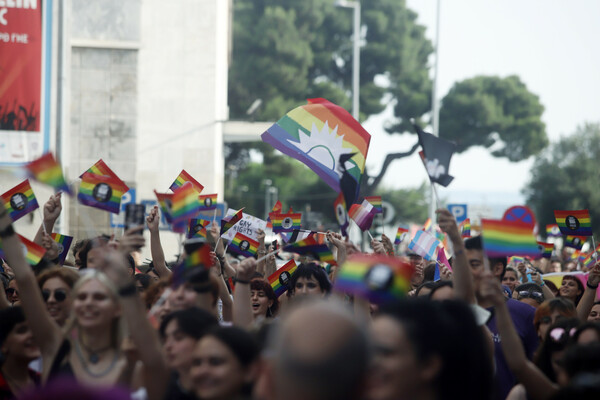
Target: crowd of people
[{"x": 102, "y": 326}]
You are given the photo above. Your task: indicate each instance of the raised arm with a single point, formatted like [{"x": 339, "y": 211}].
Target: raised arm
[
  {"x": 338, "y": 241},
  {"x": 242, "y": 307},
  {"x": 158, "y": 255},
  {"x": 387, "y": 245},
  {"x": 156, "y": 373},
  {"x": 224, "y": 295},
  {"x": 464, "y": 288},
  {"x": 537, "y": 278},
  {"x": 51, "y": 212},
  {"x": 45, "y": 331},
  {"x": 589, "y": 295},
  {"x": 538, "y": 386},
  {"x": 262, "y": 250}
]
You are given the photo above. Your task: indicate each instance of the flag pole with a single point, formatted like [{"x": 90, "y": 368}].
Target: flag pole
[
  {"x": 43, "y": 225},
  {"x": 371, "y": 236},
  {"x": 267, "y": 255},
  {"x": 435, "y": 110},
  {"x": 594, "y": 244}
]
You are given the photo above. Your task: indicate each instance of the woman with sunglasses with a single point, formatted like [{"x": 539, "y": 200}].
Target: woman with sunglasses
[
  {"x": 529, "y": 293},
  {"x": 12, "y": 292},
  {"x": 56, "y": 284}
]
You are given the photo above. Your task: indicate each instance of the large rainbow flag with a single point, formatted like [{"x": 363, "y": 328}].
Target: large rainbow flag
[
  {"x": 20, "y": 200},
  {"x": 100, "y": 191},
  {"x": 376, "y": 278},
  {"x": 317, "y": 134},
  {"x": 574, "y": 222},
  {"x": 508, "y": 238}
]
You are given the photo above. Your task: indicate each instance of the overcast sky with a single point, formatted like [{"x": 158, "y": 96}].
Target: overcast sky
[{"x": 552, "y": 45}]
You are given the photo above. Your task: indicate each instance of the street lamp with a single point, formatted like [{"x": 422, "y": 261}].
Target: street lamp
[{"x": 355, "y": 53}]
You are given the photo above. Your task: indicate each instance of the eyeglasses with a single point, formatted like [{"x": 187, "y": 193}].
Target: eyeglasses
[
  {"x": 531, "y": 295},
  {"x": 11, "y": 292},
  {"x": 60, "y": 295}
]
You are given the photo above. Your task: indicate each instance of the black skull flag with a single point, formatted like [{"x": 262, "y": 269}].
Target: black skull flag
[{"x": 436, "y": 155}]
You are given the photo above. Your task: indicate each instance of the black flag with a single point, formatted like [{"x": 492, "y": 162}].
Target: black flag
[{"x": 436, "y": 156}]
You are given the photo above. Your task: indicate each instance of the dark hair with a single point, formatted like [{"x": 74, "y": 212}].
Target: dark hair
[
  {"x": 240, "y": 342},
  {"x": 429, "y": 272},
  {"x": 308, "y": 271},
  {"x": 475, "y": 243},
  {"x": 89, "y": 245},
  {"x": 438, "y": 285},
  {"x": 193, "y": 322},
  {"x": 9, "y": 317},
  {"x": 579, "y": 286},
  {"x": 550, "y": 285},
  {"x": 552, "y": 344},
  {"x": 581, "y": 359},
  {"x": 130, "y": 262},
  {"x": 78, "y": 246},
  {"x": 595, "y": 326},
  {"x": 466, "y": 370},
  {"x": 261, "y": 284},
  {"x": 531, "y": 288},
  {"x": 426, "y": 285},
  {"x": 144, "y": 279}
]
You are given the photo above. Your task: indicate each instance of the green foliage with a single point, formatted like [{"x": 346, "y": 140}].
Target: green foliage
[
  {"x": 566, "y": 176},
  {"x": 483, "y": 110}
]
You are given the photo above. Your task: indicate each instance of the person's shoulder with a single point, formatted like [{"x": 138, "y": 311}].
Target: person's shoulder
[{"x": 520, "y": 308}]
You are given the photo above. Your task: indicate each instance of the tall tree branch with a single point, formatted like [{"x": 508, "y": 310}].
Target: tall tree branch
[{"x": 370, "y": 187}]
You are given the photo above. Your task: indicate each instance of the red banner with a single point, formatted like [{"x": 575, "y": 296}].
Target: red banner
[{"x": 20, "y": 65}]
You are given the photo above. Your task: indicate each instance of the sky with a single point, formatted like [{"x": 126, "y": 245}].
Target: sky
[{"x": 550, "y": 44}]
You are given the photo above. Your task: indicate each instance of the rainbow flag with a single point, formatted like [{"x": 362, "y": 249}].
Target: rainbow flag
[
  {"x": 100, "y": 191},
  {"x": 362, "y": 214},
  {"x": 377, "y": 278},
  {"x": 280, "y": 279},
  {"x": 376, "y": 202},
  {"x": 64, "y": 243},
  {"x": 197, "y": 228},
  {"x": 185, "y": 203},
  {"x": 184, "y": 177},
  {"x": 34, "y": 252},
  {"x": 575, "y": 255},
  {"x": 546, "y": 249},
  {"x": 197, "y": 262},
  {"x": 553, "y": 231},
  {"x": 310, "y": 246},
  {"x": 427, "y": 225},
  {"x": 228, "y": 222},
  {"x": 574, "y": 222},
  {"x": 285, "y": 222},
  {"x": 317, "y": 134},
  {"x": 590, "y": 260},
  {"x": 243, "y": 245},
  {"x": 100, "y": 168},
  {"x": 515, "y": 260},
  {"x": 575, "y": 242},
  {"x": 341, "y": 214},
  {"x": 46, "y": 170},
  {"x": 401, "y": 234},
  {"x": 20, "y": 200},
  {"x": 208, "y": 202},
  {"x": 507, "y": 238},
  {"x": 165, "y": 201},
  {"x": 465, "y": 228},
  {"x": 276, "y": 210}
]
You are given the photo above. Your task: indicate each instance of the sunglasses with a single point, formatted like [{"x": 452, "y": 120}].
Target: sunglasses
[
  {"x": 532, "y": 295},
  {"x": 60, "y": 295},
  {"x": 11, "y": 292}
]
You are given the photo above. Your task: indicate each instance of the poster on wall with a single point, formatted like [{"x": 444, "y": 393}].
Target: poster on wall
[{"x": 25, "y": 48}]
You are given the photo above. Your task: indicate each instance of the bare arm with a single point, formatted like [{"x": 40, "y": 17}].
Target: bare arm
[
  {"x": 537, "y": 278},
  {"x": 537, "y": 384},
  {"x": 51, "y": 212},
  {"x": 46, "y": 332},
  {"x": 262, "y": 250},
  {"x": 387, "y": 245},
  {"x": 338, "y": 241},
  {"x": 242, "y": 308},
  {"x": 464, "y": 288},
  {"x": 223, "y": 291},
  {"x": 158, "y": 255},
  {"x": 589, "y": 295}
]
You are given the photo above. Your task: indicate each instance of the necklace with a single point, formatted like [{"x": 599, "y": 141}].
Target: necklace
[
  {"x": 85, "y": 365},
  {"x": 94, "y": 356}
]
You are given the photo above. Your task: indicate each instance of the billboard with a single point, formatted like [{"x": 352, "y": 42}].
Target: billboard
[{"x": 25, "y": 60}]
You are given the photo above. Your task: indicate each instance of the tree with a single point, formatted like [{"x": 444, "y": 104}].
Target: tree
[
  {"x": 566, "y": 176},
  {"x": 484, "y": 110}
]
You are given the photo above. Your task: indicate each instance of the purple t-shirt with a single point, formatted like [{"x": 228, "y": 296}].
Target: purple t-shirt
[{"x": 522, "y": 317}]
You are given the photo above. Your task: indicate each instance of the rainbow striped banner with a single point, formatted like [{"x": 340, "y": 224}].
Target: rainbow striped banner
[
  {"x": 100, "y": 191},
  {"x": 280, "y": 279},
  {"x": 376, "y": 278},
  {"x": 401, "y": 234},
  {"x": 515, "y": 260},
  {"x": 310, "y": 246},
  {"x": 64, "y": 243},
  {"x": 574, "y": 222},
  {"x": 285, "y": 222},
  {"x": 376, "y": 202},
  {"x": 197, "y": 228},
  {"x": 184, "y": 177},
  {"x": 465, "y": 228},
  {"x": 208, "y": 202},
  {"x": 33, "y": 252},
  {"x": 546, "y": 249},
  {"x": 243, "y": 245},
  {"x": 317, "y": 134},
  {"x": 20, "y": 200},
  {"x": 185, "y": 203},
  {"x": 508, "y": 238},
  {"x": 46, "y": 170}
]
